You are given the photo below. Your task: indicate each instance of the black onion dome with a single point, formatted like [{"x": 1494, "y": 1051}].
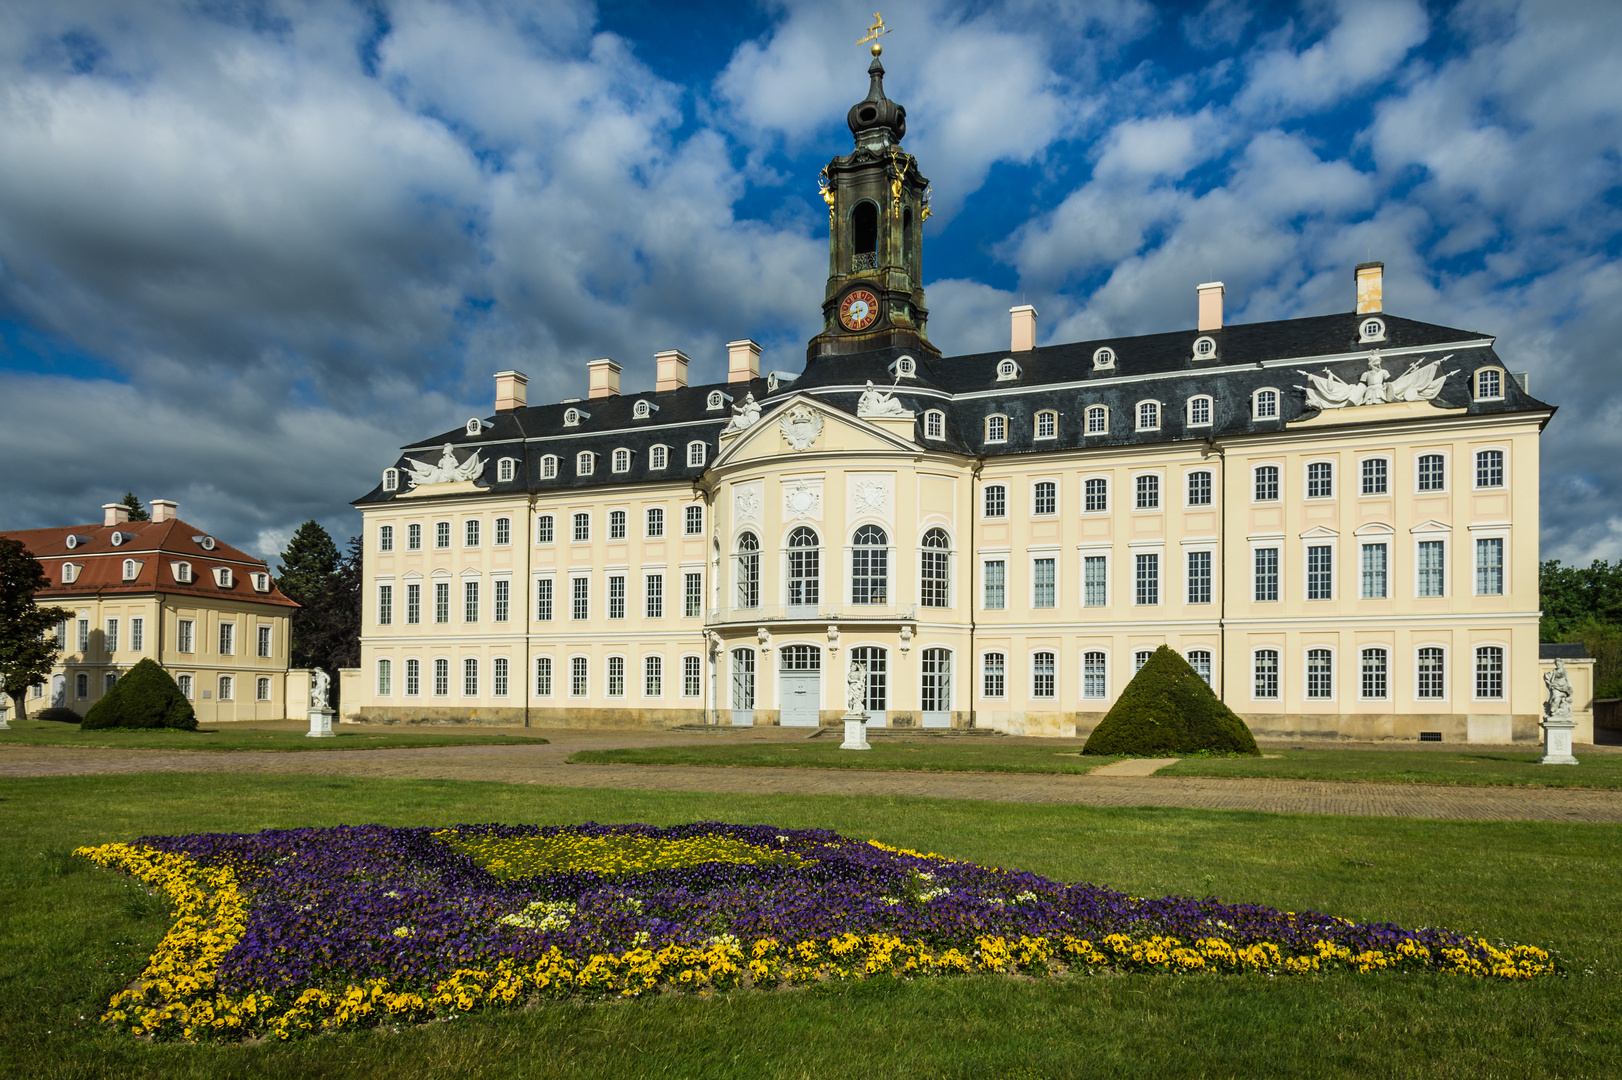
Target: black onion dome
[{"x": 876, "y": 115}]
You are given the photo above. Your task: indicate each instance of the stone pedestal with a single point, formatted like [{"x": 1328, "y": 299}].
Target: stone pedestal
[
  {"x": 1557, "y": 741},
  {"x": 321, "y": 723},
  {"x": 855, "y": 732}
]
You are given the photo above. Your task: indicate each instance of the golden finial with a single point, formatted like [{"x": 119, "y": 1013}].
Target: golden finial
[{"x": 874, "y": 32}]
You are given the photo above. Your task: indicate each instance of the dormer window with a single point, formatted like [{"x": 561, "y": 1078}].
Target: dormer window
[
  {"x": 1265, "y": 405},
  {"x": 716, "y": 400},
  {"x": 475, "y": 426},
  {"x": 1370, "y": 330},
  {"x": 571, "y": 417},
  {"x": 222, "y": 576},
  {"x": 658, "y": 456},
  {"x": 643, "y": 409},
  {"x": 934, "y": 424},
  {"x": 1047, "y": 424},
  {"x": 697, "y": 453},
  {"x": 74, "y": 541},
  {"x": 391, "y": 479},
  {"x": 261, "y": 581},
  {"x": 1148, "y": 416},
  {"x": 1204, "y": 348},
  {"x": 996, "y": 428},
  {"x": 1104, "y": 360},
  {"x": 905, "y": 367},
  {"x": 584, "y": 463},
  {"x": 1097, "y": 420},
  {"x": 1007, "y": 371},
  {"x": 118, "y": 539},
  {"x": 181, "y": 572},
  {"x": 1199, "y": 411},
  {"x": 622, "y": 460},
  {"x": 204, "y": 542},
  {"x": 132, "y": 569},
  {"x": 505, "y": 468},
  {"x": 1489, "y": 384},
  {"x": 70, "y": 572},
  {"x": 549, "y": 467}
]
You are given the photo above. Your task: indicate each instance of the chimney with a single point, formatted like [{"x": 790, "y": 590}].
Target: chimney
[
  {"x": 1370, "y": 287},
  {"x": 1024, "y": 328},
  {"x": 671, "y": 367},
  {"x": 743, "y": 361},
  {"x": 605, "y": 379},
  {"x": 165, "y": 510},
  {"x": 512, "y": 390},
  {"x": 1211, "y": 306},
  {"x": 114, "y": 513}
]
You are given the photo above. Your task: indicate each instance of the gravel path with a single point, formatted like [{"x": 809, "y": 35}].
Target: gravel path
[{"x": 529, "y": 764}]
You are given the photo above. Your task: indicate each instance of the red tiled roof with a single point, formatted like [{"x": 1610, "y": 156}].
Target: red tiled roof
[{"x": 154, "y": 545}]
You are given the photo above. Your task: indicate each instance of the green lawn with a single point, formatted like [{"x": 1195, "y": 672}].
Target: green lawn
[
  {"x": 71, "y": 934},
  {"x": 231, "y": 737},
  {"x": 1396, "y": 766},
  {"x": 1496, "y": 767},
  {"x": 925, "y": 755}
]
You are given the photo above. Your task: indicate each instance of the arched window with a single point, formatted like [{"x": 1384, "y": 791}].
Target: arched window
[
  {"x": 385, "y": 678},
  {"x": 584, "y": 463},
  {"x": 1265, "y": 663},
  {"x": 132, "y": 569},
  {"x": 1266, "y": 483},
  {"x": 1320, "y": 674},
  {"x": 385, "y": 538},
  {"x": 1432, "y": 472},
  {"x": 1199, "y": 411},
  {"x": 996, "y": 428},
  {"x": 1097, "y": 495},
  {"x": 864, "y": 236},
  {"x": 1200, "y": 661},
  {"x": 932, "y": 577},
  {"x": 657, "y": 457},
  {"x": 622, "y": 460},
  {"x": 1042, "y": 675},
  {"x": 1265, "y": 405},
  {"x": 1094, "y": 675},
  {"x": 1148, "y": 415},
  {"x": 1374, "y": 674},
  {"x": 934, "y": 424},
  {"x": 391, "y": 479},
  {"x": 1047, "y": 424},
  {"x": 748, "y": 562},
  {"x": 1489, "y": 468},
  {"x": 549, "y": 467},
  {"x": 804, "y": 567},
  {"x": 1489, "y": 384},
  {"x": 696, "y": 453},
  {"x": 504, "y": 470},
  {"x": 1097, "y": 420},
  {"x": 870, "y": 566},
  {"x": 1199, "y": 488}
]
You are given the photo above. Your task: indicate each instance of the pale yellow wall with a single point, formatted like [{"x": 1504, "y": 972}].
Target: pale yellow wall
[{"x": 929, "y": 488}]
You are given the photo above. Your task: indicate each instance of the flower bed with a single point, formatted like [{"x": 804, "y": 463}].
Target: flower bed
[{"x": 287, "y": 932}]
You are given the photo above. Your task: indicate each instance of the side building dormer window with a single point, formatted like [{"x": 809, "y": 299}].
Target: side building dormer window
[
  {"x": 1047, "y": 424},
  {"x": 475, "y": 426},
  {"x": 622, "y": 460},
  {"x": 996, "y": 428},
  {"x": 1148, "y": 416},
  {"x": 585, "y": 463},
  {"x": 934, "y": 424},
  {"x": 571, "y": 417},
  {"x": 1264, "y": 405},
  {"x": 697, "y": 454},
  {"x": 222, "y": 576},
  {"x": 905, "y": 367},
  {"x": 70, "y": 572},
  {"x": 1007, "y": 371},
  {"x": 642, "y": 410},
  {"x": 715, "y": 401},
  {"x": 1205, "y": 348},
  {"x": 1104, "y": 360},
  {"x": 391, "y": 479},
  {"x": 1490, "y": 384},
  {"x": 549, "y": 467},
  {"x": 261, "y": 581},
  {"x": 1370, "y": 330},
  {"x": 658, "y": 456},
  {"x": 181, "y": 572},
  {"x": 1097, "y": 420},
  {"x": 132, "y": 569},
  {"x": 1199, "y": 411},
  {"x": 505, "y": 469}
]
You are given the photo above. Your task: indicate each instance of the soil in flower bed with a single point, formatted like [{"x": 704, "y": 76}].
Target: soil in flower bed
[{"x": 290, "y": 932}]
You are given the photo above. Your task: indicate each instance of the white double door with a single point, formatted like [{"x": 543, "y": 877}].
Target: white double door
[{"x": 800, "y": 684}]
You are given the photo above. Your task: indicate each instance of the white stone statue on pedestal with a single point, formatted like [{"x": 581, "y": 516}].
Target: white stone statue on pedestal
[
  {"x": 320, "y": 707},
  {"x": 856, "y": 707},
  {"x": 1557, "y": 722}
]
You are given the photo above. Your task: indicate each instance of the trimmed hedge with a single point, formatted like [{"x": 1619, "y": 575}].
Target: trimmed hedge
[
  {"x": 146, "y": 697},
  {"x": 60, "y": 715},
  {"x": 1168, "y": 709}
]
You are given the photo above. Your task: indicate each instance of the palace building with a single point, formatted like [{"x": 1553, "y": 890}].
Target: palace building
[
  {"x": 209, "y": 614},
  {"x": 1333, "y": 518}
]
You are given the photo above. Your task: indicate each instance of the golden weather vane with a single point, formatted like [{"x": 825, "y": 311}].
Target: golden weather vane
[{"x": 874, "y": 32}]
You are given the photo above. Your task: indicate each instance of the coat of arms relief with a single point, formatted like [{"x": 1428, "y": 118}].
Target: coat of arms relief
[{"x": 801, "y": 426}]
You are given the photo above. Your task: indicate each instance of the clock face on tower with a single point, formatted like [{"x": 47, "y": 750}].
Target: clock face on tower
[{"x": 858, "y": 310}]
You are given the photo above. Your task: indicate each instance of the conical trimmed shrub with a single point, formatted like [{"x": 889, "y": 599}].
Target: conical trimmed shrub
[
  {"x": 146, "y": 697},
  {"x": 1168, "y": 709}
]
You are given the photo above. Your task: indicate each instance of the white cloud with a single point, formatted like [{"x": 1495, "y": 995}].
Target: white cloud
[{"x": 1370, "y": 38}]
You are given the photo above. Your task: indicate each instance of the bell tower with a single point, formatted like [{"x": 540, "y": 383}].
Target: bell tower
[{"x": 877, "y": 205}]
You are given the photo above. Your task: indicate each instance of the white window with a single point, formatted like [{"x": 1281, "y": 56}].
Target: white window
[
  {"x": 616, "y": 524},
  {"x": 1097, "y": 420},
  {"x": 1432, "y": 472},
  {"x": 934, "y": 424},
  {"x": 1489, "y": 384},
  {"x": 996, "y": 504},
  {"x": 653, "y": 593},
  {"x": 582, "y": 527},
  {"x": 222, "y": 576},
  {"x": 1264, "y": 406},
  {"x": 906, "y": 367},
  {"x": 138, "y": 635},
  {"x": 577, "y": 676},
  {"x": 1375, "y": 474},
  {"x": 1265, "y": 580},
  {"x": 1490, "y": 566},
  {"x": 385, "y": 678},
  {"x": 870, "y": 566},
  {"x": 413, "y": 679},
  {"x": 1148, "y": 416},
  {"x": 1094, "y": 675},
  {"x": 475, "y": 426},
  {"x": 571, "y": 417},
  {"x": 1148, "y": 491},
  {"x": 505, "y": 469},
  {"x": 1266, "y": 486},
  {"x": 442, "y": 678},
  {"x": 1431, "y": 568},
  {"x": 1047, "y": 424},
  {"x": 1148, "y": 578},
  {"x": 996, "y": 428},
  {"x": 1095, "y": 580},
  {"x": 501, "y": 610},
  {"x": 1204, "y": 348},
  {"x": 544, "y": 526},
  {"x": 385, "y": 538},
  {"x": 1375, "y": 572},
  {"x": 470, "y": 677},
  {"x": 693, "y": 521},
  {"x": 1007, "y": 370},
  {"x": 1489, "y": 468},
  {"x": 584, "y": 463},
  {"x": 499, "y": 670},
  {"x": 182, "y": 572},
  {"x": 132, "y": 570},
  {"x": 391, "y": 479},
  {"x": 622, "y": 460},
  {"x": 264, "y": 640},
  {"x": 653, "y": 676},
  {"x": 1320, "y": 572},
  {"x": 715, "y": 400},
  {"x": 70, "y": 572},
  {"x": 543, "y": 599},
  {"x": 413, "y": 537},
  {"x": 442, "y": 534},
  {"x": 110, "y": 636},
  {"x": 1431, "y": 674},
  {"x": 1139, "y": 658},
  {"x": 1265, "y": 667},
  {"x": 228, "y": 687},
  {"x": 696, "y": 454},
  {"x": 934, "y": 575},
  {"x": 549, "y": 467},
  {"x": 1374, "y": 674},
  {"x": 1103, "y": 359},
  {"x": 1044, "y": 582},
  {"x": 1199, "y": 577},
  {"x": 1320, "y": 480},
  {"x": 385, "y": 605},
  {"x": 1043, "y": 680},
  {"x": 228, "y": 639},
  {"x": 748, "y": 570},
  {"x": 186, "y": 636},
  {"x": 1199, "y": 411},
  {"x": 470, "y": 601},
  {"x": 640, "y": 410},
  {"x": 616, "y": 676},
  {"x": 504, "y": 531},
  {"x": 470, "y": 533},
  {"x": 658, "y": 456},
  {"x": 994, "y": 575},
  {"x": 1200, "y": 661},
  {"x": 654, "y": 522},
  {"x": 1320, "y": 674},
  {"x": 1044, "y": 498},
  {"x": 1371, "y": 330},
  {"x": 543, "y": 676},
  {"x": 1095, "y": 495},
  {"x": 994, "y": 668},
  {"x": 692, "y": 678},
  {"x": 261, "y": 689},
  {"x": 1199, "y": 488},
  {"x": 185, "y": 684}
]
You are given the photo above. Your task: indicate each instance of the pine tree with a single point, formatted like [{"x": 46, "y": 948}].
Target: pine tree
[
  {"x": 133, "y": 505},
  {"x": 26, "y": 652},
  {"x": 309, "y": 566}
]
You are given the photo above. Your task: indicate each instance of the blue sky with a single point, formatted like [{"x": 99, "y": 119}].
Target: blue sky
[{"x": 248, "y": 249}]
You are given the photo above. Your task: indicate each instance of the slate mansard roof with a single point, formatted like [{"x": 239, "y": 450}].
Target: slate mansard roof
[{"x": 1152, "y": 367}]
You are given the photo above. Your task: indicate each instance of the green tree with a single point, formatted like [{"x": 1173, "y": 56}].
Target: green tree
[
  {"x": 309, "y": 566},
  {"x": 133, "y": 505},
  {"x": 1572, "y": 595},
  {"x": 146, "y": 697},
  {"x": 27, "y": 646}
]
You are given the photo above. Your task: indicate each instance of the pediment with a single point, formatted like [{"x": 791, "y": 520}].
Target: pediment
[
  {"x": 1432, "y": 526},
  {"x": 1319, "y": 533},
  {"x": 803, "y": 425},
  {"x": 1373, "y": 528}
]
